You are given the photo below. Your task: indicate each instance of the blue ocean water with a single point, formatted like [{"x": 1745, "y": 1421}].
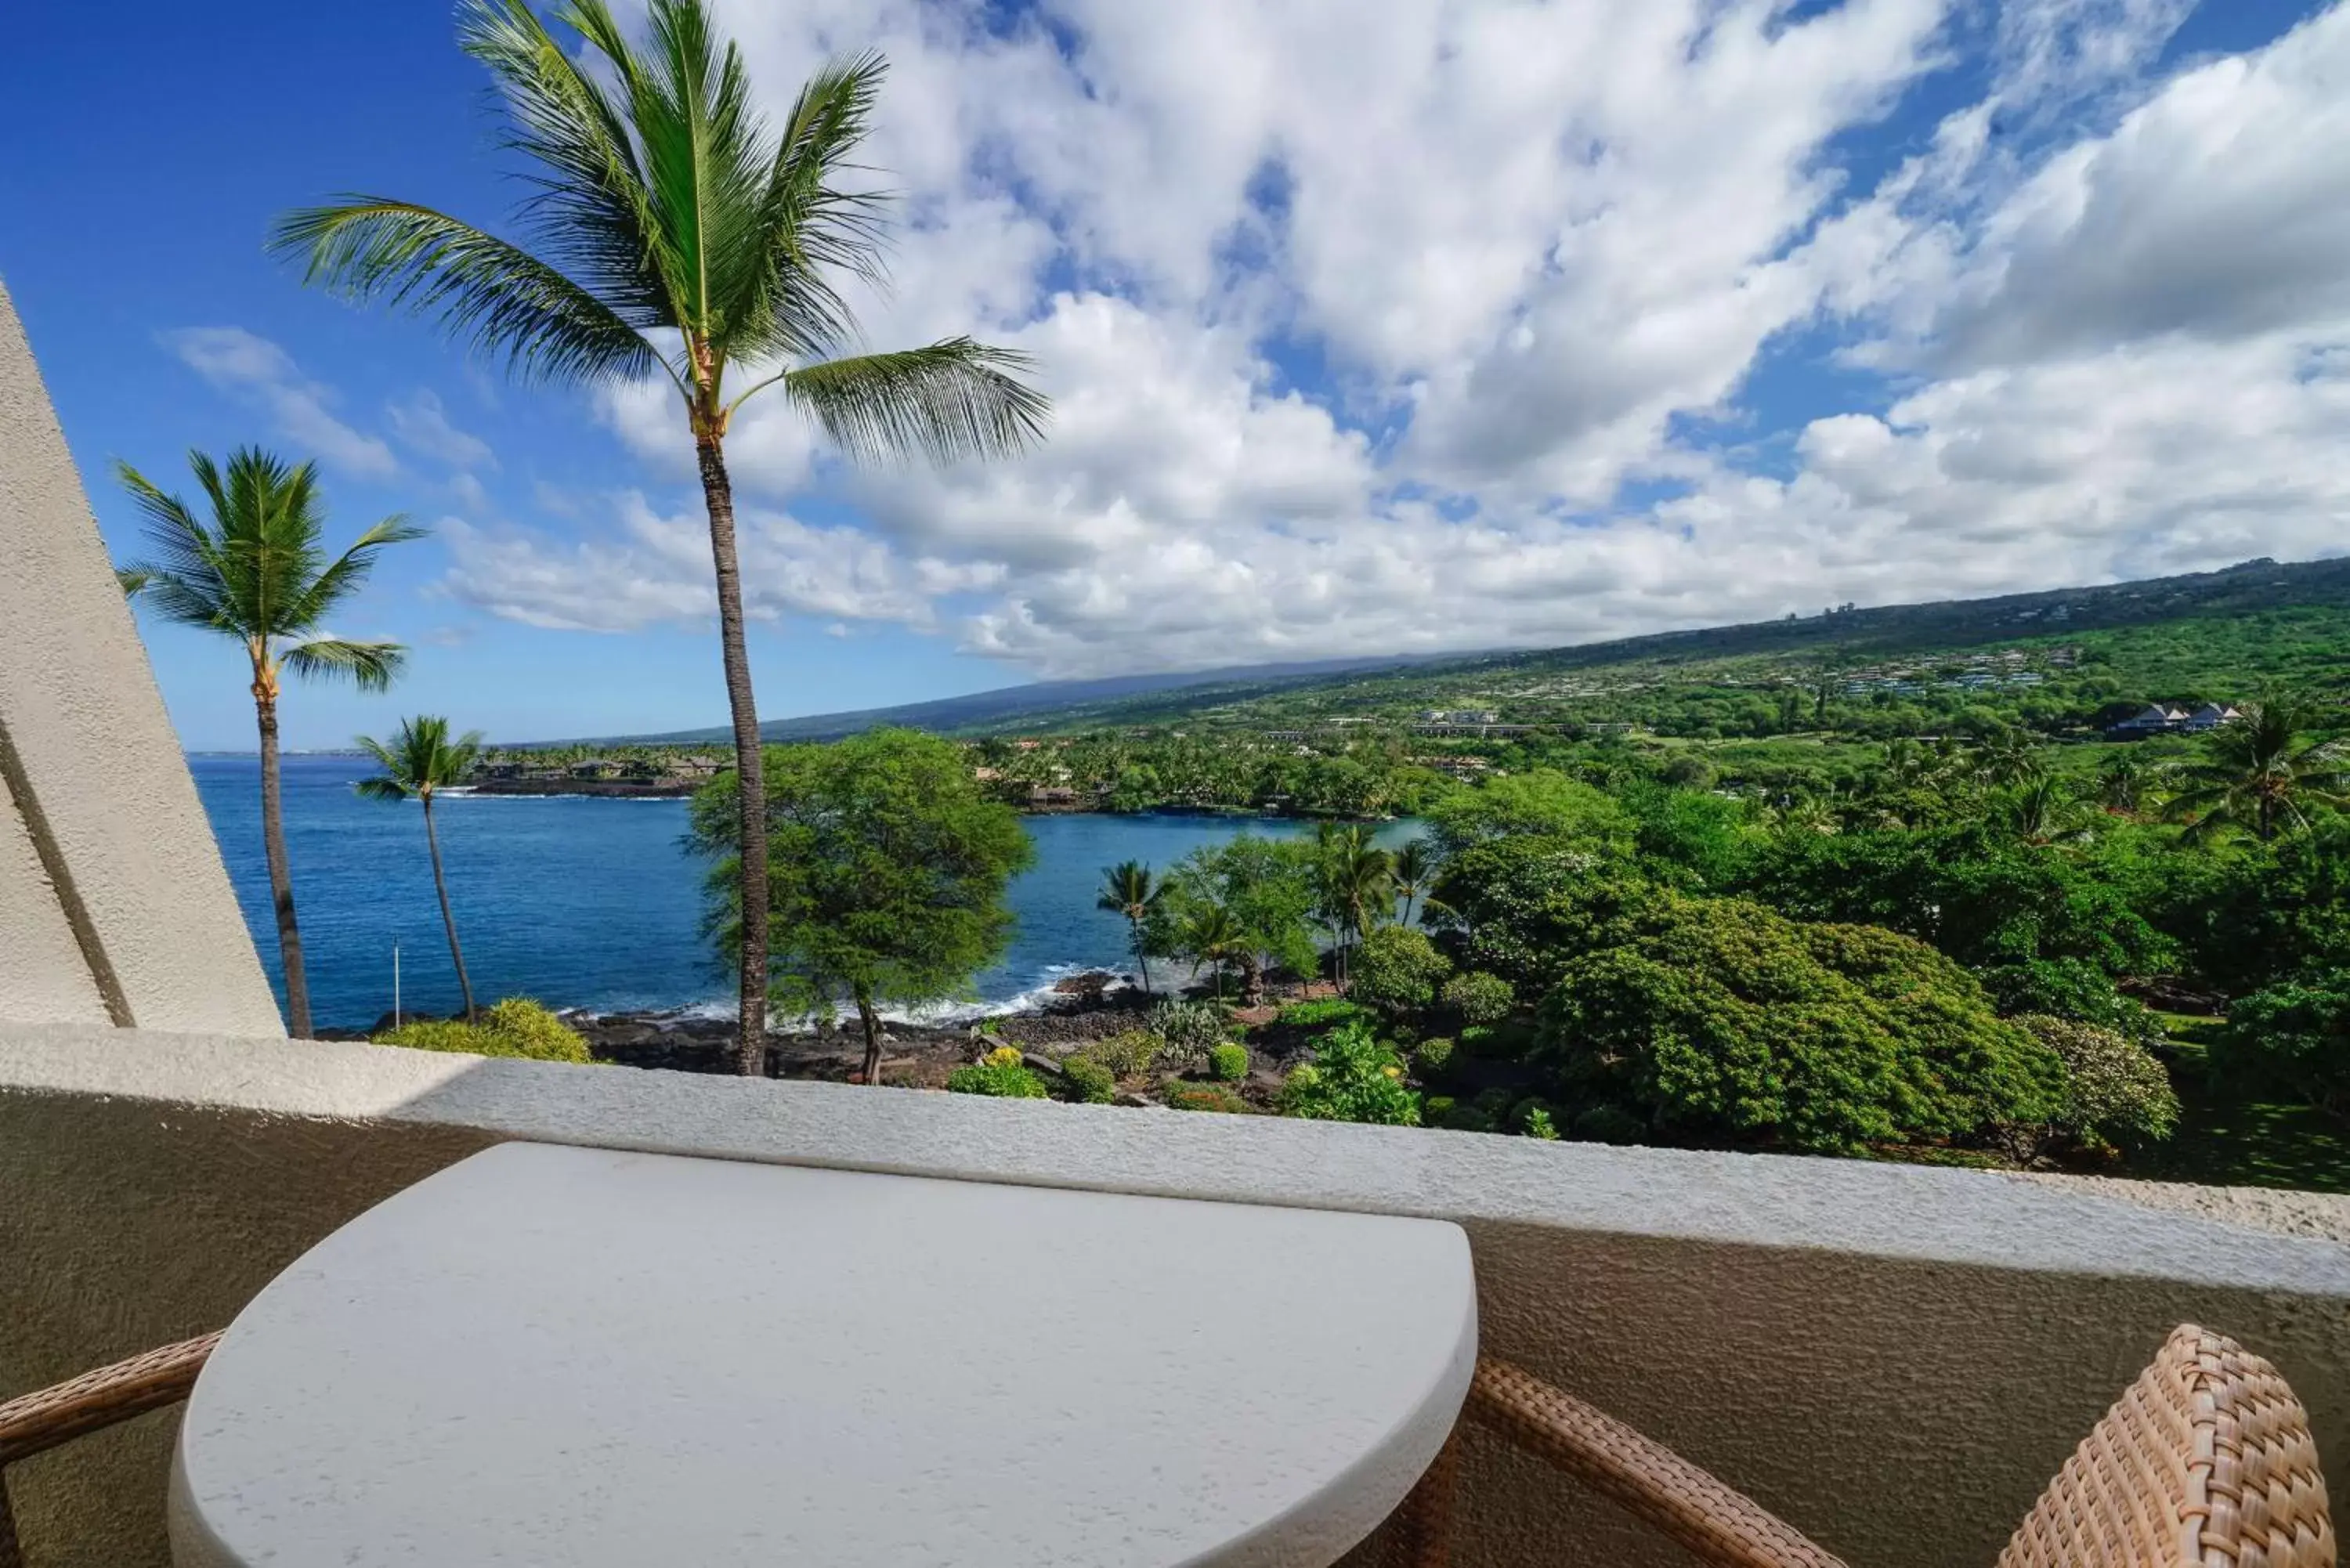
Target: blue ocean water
[{"x": 589, "y": 903}]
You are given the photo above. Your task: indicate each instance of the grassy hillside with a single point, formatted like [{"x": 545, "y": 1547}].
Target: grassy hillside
[{"x": 2069, "y": 659}]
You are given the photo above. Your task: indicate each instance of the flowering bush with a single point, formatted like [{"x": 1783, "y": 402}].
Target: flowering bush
[
  {"x": 1478, "y": 997},
  {"x": 1001, "y": 1075},
  {"x": 514, "y": 1027},
  {"x": 1354, "y": 1077}
]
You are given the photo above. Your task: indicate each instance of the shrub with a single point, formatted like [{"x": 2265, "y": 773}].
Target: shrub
[
  {"x": 1396, "y": 969},
  {"x": 1128, "y": 1055},
  {"x": 2291, "y": 1039},
  {"x": 2073, "y": 989},
  {"x": 1002, "y": 1080},
  {"x": 1719, "y": 1018},
  {"x": 1207, "y": 1097},
  {"x": 1089, "y": 1080},
  {"x": 1479, "y": 997},
  {"x": 1354, "y": 1077},
  {"x": 1431, "y": 1056},
  {"x": 1003, "y": 1056},
  {"x": 1322, "y": 1013},
  {"x": 1539, "y": 1125},
  {"x": 2115, "y": 1091},
  {"x": 1610, "y": 1124},
  {"x": 1229, "y": 1061},
  {"x": 1189, "y": 1029},
  {"x": 517, "y": 1026},
  {"x": 1438, "y": 1109}
]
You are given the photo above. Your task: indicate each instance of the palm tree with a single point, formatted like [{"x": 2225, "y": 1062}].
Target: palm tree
[
  {"x": 1211, "y": 934},
  {"x": 257, "y": 572},
  {"x": 1412, "y": 868},
  {"x": 1129, "y": 889},
  {"x": 675, "y": 232},
  {"x": 2009, "y": 757},
  {"x": 421, "y": 761},
  {"x": 2122, "y": 784},
  {"x": 2256, "y": 774},
  {"x": 2041, "y": 810}
]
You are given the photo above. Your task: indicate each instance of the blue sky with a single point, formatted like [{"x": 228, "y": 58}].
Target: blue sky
[{"x": 1501, "y": 324}]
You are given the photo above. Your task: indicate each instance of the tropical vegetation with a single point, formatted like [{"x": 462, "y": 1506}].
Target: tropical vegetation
[
  {"x": 417, "y": 762},
  {"x": 670, "y": 232},
  {"x": 254, "y": 567}
]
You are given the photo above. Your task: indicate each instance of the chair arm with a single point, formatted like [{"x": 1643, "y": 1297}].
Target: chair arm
[
  {"x": 48, "y": 1417},
  {"x": 1719, "y": 1524}
]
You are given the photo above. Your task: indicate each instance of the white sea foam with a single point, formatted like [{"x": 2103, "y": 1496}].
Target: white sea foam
[{"x": 939, "y": 1015}]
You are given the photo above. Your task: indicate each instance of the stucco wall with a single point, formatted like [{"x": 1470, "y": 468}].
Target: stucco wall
[
  {"x": 1895, "y": 1359},
  {"x": 100, "y": 795},
  {"x": 44, "y": 978}
]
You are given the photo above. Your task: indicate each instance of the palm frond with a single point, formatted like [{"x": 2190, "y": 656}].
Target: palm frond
[
  {"x": 808, "y": 226},
  {"x": 592, "y": 210},
  {"x": 338, "y": 580},
  {"x": 370, "y": 665},
  {"x": 495, "y": 296},
  {"x": 952, "y": 399}
]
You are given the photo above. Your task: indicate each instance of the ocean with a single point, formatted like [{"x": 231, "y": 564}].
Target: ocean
[{"x": 595, "y": 903}]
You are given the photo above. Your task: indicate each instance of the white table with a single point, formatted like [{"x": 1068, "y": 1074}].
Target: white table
[{"x": 548, "y": 1355}]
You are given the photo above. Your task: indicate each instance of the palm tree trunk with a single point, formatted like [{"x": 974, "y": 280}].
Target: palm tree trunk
[
  {"x": 281, "y": 878},
  {"x": 871, "y": 1071},
  {"x": 750, "y": 776},
  {"x": 1141, "y": 961},
  {"x": 1251, "y": 981},
  {"x": 448, "y": 920}
]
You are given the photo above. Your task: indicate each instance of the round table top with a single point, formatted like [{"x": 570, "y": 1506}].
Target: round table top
[{"x": 553, "y": 1355}]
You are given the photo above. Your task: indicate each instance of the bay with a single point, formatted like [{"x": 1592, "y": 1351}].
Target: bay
[{"x": 595, "y": 903}]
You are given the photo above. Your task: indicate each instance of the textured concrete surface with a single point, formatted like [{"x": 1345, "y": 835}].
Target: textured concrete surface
[
  {"x": 101, "y": 793},
  {"x": 1895, "y": 1359},
  {"x": 1077, "y": 1378},
  {"x": 2321, "y": 1216},
  {"x": 44, "y": 978}
]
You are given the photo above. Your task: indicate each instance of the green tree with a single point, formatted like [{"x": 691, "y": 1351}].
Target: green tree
[
  {"x": 2292, "y": 1038},
  {"x": 1412, "y": 868},
  {"x": 1544, "y": 802},
  {"x": 258, "y": 571},
  {"x": 1358, "y": 884},
  {"x": 2258, "y": 776},
  {"x": 1206, "y": 933},
  {"x": 664, "y": 209},
  {"x": 1716, "y": 1018},
  {"x": 886, "y": 873},
  {"x": 421, "y": 762},
  {"x": 1129, "y": 889},
  {"x": 1397, "y": 969},
  {"x": 1268, "y": 888}
]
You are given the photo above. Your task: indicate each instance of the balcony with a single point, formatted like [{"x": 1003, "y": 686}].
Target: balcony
[{"x": 1892, "y": 1358}]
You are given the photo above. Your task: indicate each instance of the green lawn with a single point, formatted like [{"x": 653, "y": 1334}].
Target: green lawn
[{"x": 2226, "y": 1142}]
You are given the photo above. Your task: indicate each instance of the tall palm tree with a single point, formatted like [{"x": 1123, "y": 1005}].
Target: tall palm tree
[
  {"x": 1412, "y": 868},
  {"x": 258, "y": 571},
  {"x": 1358, "y": 882},
  {"x": 1129, "y": 889},
  {"x": 2256, "y": 773},
  {"x": 421, "y": 762},
  {"x": 674, "y": 232}
]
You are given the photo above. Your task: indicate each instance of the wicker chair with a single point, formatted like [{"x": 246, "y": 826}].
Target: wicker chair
[
  {"x": 48, "y": 1417},
  {"x": 2206, "y": 1461}
]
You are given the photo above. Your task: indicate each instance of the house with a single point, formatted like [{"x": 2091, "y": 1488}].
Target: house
[
  {"x": 2210, "y": 717},
  {"x": 595, "y": 768},
  {"x": 2156, "y": 720}
]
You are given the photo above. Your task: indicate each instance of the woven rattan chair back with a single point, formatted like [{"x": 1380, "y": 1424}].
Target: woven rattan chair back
[{"x": 2206, "y": 1461}]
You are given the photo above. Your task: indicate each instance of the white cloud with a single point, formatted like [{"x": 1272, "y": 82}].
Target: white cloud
[
  {"x": 421, "y": 422},
  {"x": 1357, "y": 333},
  {"x": 258, "y": 371}
]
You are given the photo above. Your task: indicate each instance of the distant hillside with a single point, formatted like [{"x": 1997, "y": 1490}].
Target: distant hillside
[
  {"x": 1061, "y": 700},
  {"x": 1757, "y": 654}
]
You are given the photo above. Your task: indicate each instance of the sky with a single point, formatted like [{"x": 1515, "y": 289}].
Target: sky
[{"x": 1493, "y": 324}]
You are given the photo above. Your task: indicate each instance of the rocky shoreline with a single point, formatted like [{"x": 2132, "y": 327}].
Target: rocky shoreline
[{"x": 913, "y": 1055}]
